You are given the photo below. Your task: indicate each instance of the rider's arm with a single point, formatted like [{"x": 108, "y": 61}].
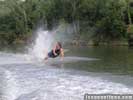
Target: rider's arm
[
  {"x": 54, "y": 50},
  {"x": 62, "y": 53}
]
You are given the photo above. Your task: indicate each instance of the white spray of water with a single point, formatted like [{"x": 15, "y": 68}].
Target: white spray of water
[
  {"x": 42, "y": 44},
  {"x": 45, "y": 39}
]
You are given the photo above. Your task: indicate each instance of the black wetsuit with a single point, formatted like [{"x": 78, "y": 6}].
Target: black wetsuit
[{"x": 51, "y": 53}]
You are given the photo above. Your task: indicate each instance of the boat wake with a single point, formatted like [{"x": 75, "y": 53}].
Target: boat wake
[{"x": 40, "y": 81}]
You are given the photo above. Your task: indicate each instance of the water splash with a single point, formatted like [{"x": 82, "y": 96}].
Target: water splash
[
  {"x": 44, "y": 40},
  {"x": 42, "y": 44}
]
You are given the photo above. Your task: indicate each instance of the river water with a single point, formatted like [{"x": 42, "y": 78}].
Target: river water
[{"x": 84, "y": 70}]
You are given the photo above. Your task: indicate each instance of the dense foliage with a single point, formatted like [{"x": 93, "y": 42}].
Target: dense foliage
[{"x": 95, "y": 19}]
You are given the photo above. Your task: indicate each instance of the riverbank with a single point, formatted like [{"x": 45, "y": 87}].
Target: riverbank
[
  {"x": 22, "y": 43},
  {"x": 28, "y": 39},
  {"x": 102, "y": 43}
]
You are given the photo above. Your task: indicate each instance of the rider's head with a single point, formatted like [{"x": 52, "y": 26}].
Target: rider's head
[{"x": 59, "y": 45}]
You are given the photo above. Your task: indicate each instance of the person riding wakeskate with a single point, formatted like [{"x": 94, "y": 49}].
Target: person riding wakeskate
[{"x": 56, "y": 51}]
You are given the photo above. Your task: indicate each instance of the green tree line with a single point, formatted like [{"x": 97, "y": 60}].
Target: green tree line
[{"x": 95, "y": 19}]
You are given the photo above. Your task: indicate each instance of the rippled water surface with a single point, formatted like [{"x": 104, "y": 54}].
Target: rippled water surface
[{"x": 83, "y": 70}]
